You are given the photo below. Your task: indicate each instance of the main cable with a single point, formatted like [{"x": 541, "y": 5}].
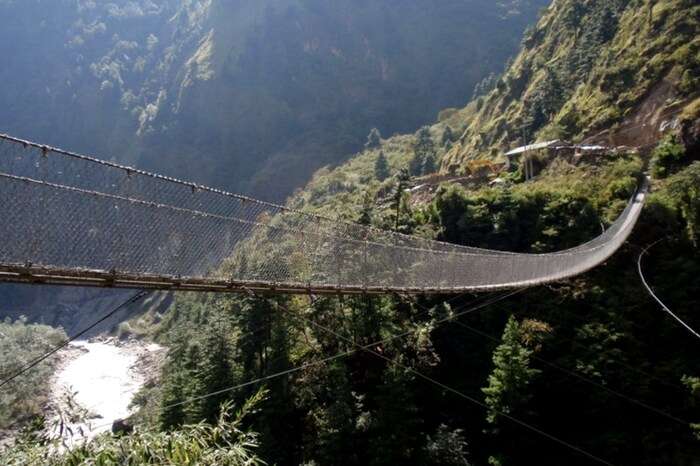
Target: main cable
[
  {"x": 446, "y": 387},
  {"x": 467, "y": 309},
  {"x": 137, "y": 296},
  {"x": 577, "y": 375},
  {"x": 653, "y": 295}
]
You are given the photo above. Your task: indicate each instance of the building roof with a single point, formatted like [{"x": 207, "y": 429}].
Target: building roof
[{"x": 539, "y": 145}]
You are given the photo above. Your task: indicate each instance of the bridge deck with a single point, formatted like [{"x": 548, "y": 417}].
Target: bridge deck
[{"x": 70, "y": 219}]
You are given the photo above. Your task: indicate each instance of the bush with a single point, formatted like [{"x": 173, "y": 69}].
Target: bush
[
  {"x": 224, "y": 443},
  {"x": 20, "y": 343},
  {"x": 667, "y": 158}
]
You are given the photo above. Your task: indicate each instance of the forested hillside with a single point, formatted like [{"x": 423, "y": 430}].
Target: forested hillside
[
  {"x": 586, "y": 371},
  {"x": 619, "y": 66},
  {"x": 238, "y": 93},
  {"x": 593, "y": 361}
]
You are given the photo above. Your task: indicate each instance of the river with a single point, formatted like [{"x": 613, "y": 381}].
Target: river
[{"x": 104, "y": 381}]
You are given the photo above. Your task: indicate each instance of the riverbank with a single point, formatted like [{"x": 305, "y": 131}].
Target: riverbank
[{"x": 95, "y": 383}]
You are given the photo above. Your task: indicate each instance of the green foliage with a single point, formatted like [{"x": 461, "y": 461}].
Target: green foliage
[
  {"x": 684, "y": 190},
  {"x": 309, "y": 81},
  {"x": 224, "y": 443},
  {"x": 399, "y": 203},
  {"x": 27, "y": 395},
  {"x": 381, "y": 167},
  {"x": 424, "y": 154},
  {"x": 365, "y": 217},
  {"x": 667, "y": 158},
  {"x": 693, "y": 384},
  {"x": 447, "y": 447},
  {"x": 522, "y": 220},
  {"x": 507, "y": 390},
  {"x": 448, "y": 137},
  {"x": 346, "y": 410},
  {"x": 584, "y": 67}
]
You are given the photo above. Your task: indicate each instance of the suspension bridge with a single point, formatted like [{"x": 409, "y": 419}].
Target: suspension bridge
[{"x": 70, "y": 219}]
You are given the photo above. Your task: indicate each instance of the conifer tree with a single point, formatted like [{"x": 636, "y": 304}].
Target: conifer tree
[
  {"x": 215, "y": 370},
  {"x": 447, "y": 137},
  {"x": 381, "y": 167},
  {"x": 365, "y": 217},
  {"x": 171, "y": 414},
  {"x": 423, "y": 160},
  {"x": 374, "y": 139},
  {"x": 429, "y": 164},
  {"x": 511, "y": 376},
  {"x": 398, "y": 200}
]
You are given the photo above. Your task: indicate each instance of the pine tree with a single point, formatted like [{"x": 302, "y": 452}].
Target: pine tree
[
  {"x": 215, "y": 370},
  {"x": 511, "y": 376},
  {"x": 374, "y": 139},
  {"x": 447, "y": 137},
  {"x": 192, "y": 384},
  {"x": 381, "y": 167},
  {"x": 171, "y": 414},
  {"x": 508, "y": 391},
  {"x": 423, "y": 160},
  {"x": 429, "y": 164}
]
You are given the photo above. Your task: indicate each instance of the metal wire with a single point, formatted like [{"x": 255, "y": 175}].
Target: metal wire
[{"x": 74, "y": 219}]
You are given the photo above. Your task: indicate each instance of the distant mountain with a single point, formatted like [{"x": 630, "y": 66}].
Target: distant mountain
[{"x": 247, "y": 95}]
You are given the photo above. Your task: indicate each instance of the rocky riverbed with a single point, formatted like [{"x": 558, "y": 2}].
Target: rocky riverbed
[{"x": 96, "y": 382}]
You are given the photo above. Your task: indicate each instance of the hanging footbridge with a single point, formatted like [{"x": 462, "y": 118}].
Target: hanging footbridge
[{"x": 69, "y": 219}]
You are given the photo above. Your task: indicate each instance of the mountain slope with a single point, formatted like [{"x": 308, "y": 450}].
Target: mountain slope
[
  {"x": 585, "y": 67},
  {"x": 247, "y": 95}
]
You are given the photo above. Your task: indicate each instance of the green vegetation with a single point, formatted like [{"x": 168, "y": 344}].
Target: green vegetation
[
  {"x": 592, "y": 360},
  {"x": 423, "y": 161},
  {"x": 512, "y": 375},
  {"x": 667, "y": 158},
  {"x": 224, "y": 443},
  {"x": 25, "y": 397},
  {"x": 600, "y": 327},
  {"x": 585, "y": 67},
  {"x": 381, "y": 167},
  {"x": 247, "y": 96},
  {"x": 374, "y": 139}
]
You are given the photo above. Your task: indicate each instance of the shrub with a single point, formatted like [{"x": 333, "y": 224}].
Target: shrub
[{"x": 667, "y": 158}]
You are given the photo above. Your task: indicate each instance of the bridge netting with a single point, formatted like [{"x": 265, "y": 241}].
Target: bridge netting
[{"x": 73, "y": 219}]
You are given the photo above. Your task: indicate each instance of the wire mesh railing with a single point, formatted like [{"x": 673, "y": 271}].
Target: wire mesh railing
[{"x": 68, "y": 218}]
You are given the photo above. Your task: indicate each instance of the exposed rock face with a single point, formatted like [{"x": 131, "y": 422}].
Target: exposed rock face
[{"x": 74, "y": 308}]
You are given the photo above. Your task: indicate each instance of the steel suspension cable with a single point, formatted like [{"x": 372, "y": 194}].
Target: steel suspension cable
[
  {"x": 577, "y": 375},
  {"x": 467, "y": 309},
  {"x": 448, "y": 388},
  {"x": 653, "y": 295},
  {"x": 134, "y": 298}
]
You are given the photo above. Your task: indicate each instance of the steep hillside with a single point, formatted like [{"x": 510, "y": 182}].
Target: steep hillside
[
  {"x": 75, "y": 72},
  {"x": 247, "y": 95},
  {"x": 587, "y": 67},
  {"x": 615, "y": 73}
]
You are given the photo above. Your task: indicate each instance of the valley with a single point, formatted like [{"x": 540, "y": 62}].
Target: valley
[{"x": 392, "y": 133}]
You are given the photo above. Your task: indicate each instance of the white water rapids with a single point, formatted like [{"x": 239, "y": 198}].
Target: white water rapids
[{"x": 104, "y": 382}]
